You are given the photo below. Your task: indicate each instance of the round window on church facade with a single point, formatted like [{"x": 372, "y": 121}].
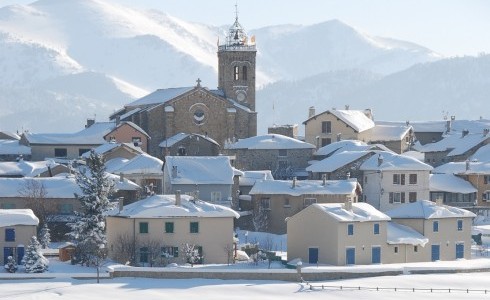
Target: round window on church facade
[
  {"x": 199, "y": 113},
  {"x": 199, "y": 116}
]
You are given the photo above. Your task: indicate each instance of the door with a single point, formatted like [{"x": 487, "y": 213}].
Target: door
[
  {"x": 435, "y": 252},
  {"x": 7, "y": 251},
  {"x": 459, "y": 250},
  {"x": 376, "y": 255},
  {"x": 350, "y": 256},
  {"x": 312, "y": 255},
  {"x": 20, "y": 254}
]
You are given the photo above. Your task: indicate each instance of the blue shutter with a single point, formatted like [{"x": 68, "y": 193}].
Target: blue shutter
[
  {"x": 10, "y": 235},
  {"x": 376, "y": 255},
  {"x": 459, "y": 250},
  {"x": 376, "y": 228},
  {"x": 312, "y": 255},
  {"x": 435, "y": 253},
  {"x": 350, "y": 256},
  {"x": 20, "y": 254}
]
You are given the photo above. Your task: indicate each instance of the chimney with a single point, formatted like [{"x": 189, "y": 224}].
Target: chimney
[
  {"x": 311, "y": 112},
  {"x": 120, "y": 202},
  {"x": 174, "y": 171},
  {"x": 324, "y": 178},
  {"x": 467, "y": 164},
  {"x": 121, "y": 177},
  {"x": 448, "y": 126},
  {"x": 178, "y": 201},
  {"x": 90, "y": 122},
  {"x": 347, "y": 107},
  {"x": 380, "y": 160},
  {"x": 118, "y": 120},
  {"x": 464, "y": 132},
  {"x": 369, "y": 113},
  {"x": 348, "y": 204},
  {"x": 294, "y": 182}
]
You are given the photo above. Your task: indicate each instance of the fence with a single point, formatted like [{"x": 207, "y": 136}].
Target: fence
[{"x": 395, "y": 289}]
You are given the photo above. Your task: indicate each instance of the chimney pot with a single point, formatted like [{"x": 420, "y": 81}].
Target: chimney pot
[
  {"x": 311, "y": 112},
  {"x": 294, "y": 182},
  {"x": 120, "y": 202},
  {"x": 178, "y": 200}
]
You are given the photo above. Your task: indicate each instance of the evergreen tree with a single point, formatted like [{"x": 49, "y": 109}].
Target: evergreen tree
[
  {"x": 11, "y": 265},
  {"x": 44, "y": 236},
  {"x": 88, "y": 231},
  {"x": 34, "y": 261}
]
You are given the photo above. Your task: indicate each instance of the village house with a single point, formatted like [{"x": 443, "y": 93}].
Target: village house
[
  {"x": 452, "y": 190},
  {"x": 189, "y": 144},
  {"x": 284, "y": 156},
  {"x": 210, "y": 178},
  {"x": 113, "y": 150},
  {"x": 447, "y": 228},
  {"x": 159, "y": 228},
  {"x": 17, "y": 226},
  {"x": 24, "y": 168},
  {"x": 391, "y": 179},
  {"x": 276, "y": 200},
  {"x": 11, "y": 149}
]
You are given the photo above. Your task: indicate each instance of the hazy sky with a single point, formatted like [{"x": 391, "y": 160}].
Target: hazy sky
[{"x": 450, "y": 27}]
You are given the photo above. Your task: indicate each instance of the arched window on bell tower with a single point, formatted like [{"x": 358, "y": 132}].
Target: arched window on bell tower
[
  {"x": 244, "y": 73},
  {"x": 236, "y": 71}
]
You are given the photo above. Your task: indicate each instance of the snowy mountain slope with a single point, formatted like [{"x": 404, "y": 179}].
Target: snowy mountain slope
[
  {"x": 54, "y": 52},
  {"x": 455, "y": 86}
]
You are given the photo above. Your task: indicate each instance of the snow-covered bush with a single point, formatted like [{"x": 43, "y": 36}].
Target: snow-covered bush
[
  {"x": 192, "y": 254},
  {"x": 44, "y": 237},
  {"x": 34, "y": 261},
  {"x": 11, "y": 265}
]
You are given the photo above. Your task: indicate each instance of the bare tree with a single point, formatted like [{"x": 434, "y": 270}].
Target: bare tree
[
  {"x": 124, "y": 249},
  {"x": 34, "y": 194},
  {"x": 230, "y": 251},
  {"x": 154, "y": 248},
  {"x": 191, "y": 254},
  {"x": 261, "y": 217}
]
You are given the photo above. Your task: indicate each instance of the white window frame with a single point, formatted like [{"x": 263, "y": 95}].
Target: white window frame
[
  {"x": 215, "y": 196},
  {"x": 309, "y": 201}
]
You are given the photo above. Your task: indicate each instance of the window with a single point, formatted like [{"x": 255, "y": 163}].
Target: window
[
  {"x": 169, "y": 227},
  {"x": 9, "y": 234},
  {"x": 236, "y": 72},
  {"x": 399, "y": 179},
  {"x": 215, "y": 196},
  {"x": 244, "y": 73},
  {"x": 66, "y": 209},
  {"x": 181, "y": 151},
  {"x": 144, "y": 254},
  {"x": 7, "y": 206},
  {"x": 396, "y": 249},
  {"x": 435, "y": 226},
  {"x": 397, "y": 197},
  {"x": 460, "y": 225},
  {"x": 486, "y": 179},
  {"x": 412, "y": 197},
  {"x": 326, "y": 141},
  {"x": 194, "y": 227},
  {"x": 309, "y": 201},
  {"x": 412, "y": 179},
  {"x": 326, "y": 127},
  {"x": 415, "y": 248},
  {"x": 283, "y": 152},
  {"x": 60, "y": 152},
  {"x": 143, "y": 227},
  {"x": 376, "y": 228},
  {"x": 169, "y": 251},
  {"x": 82, "y": 151},
  {"x": 136, "y": 140},
  {"x": 350, "y": 229},
  {"x": 265, "y": 203},
  {"x": 486, "y": 196},
  {"x": 286, "y": 202}
]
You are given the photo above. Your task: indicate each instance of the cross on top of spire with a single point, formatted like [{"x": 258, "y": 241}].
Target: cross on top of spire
[{"x": 198, "y": 82}]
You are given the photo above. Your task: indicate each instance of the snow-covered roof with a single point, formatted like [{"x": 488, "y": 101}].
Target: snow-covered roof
[
  {"x": 401, "y": 234},
  {"x": 415, "y": 154},
  {"x": 25, "y": 168},
  {"x": 450, "y": 183},
  {"x": 482, "y": 154},
  {"x": 180, "y": 136},
  {"x": 109, "y": 146},
  {"x": 303, "y": 187},
  {"x": 200, "y": 169},
  {"x": 125, "y": 184},
  {"x": 12, "y": 217},
  {"x": 10, "y": 135},
  {"x": 473, "y": 126},
  {"x": 250, "y": 177},
  {"x": 92, "y": 135},
  {"x": 131, "y": 124},
  {"x": 388, "y": 132},
  {"x": 160, "y": 96},
  {"x": 141, "y": 164},
  {"x": 269, "y": 142},
  {"x": 163, "y": 206},
  {"x": 113, "y": 164},
  {"x": 360, "y": 212},
  {"x": 336, "y": 161},
  {"x": 356, "y": 119},
  {"x": 393, "y": 161},
  {"x": 425, "y": 209},
  {"x": 456, "y": 144},
  {"x": 55, "y": 187},
  {"x": 474, "y": 167},
  {"x": 345, "y": 145},
  {"x": 13, "y": 147},
  {"x": 129, "y": 113}
]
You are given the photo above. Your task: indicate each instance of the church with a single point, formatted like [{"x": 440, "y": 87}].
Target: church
[{"x": 224, "y": 114}]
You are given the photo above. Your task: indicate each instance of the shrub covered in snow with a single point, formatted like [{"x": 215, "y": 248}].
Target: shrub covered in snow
[
  {"x": 34, "y": 261},
  {"x": 11, "y": 265}
]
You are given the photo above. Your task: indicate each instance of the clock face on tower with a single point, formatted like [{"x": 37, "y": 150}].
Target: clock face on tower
[{"x": 241, "y": 96}]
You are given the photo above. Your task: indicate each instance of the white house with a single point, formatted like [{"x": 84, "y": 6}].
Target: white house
[{"x": 17, "y": 226}]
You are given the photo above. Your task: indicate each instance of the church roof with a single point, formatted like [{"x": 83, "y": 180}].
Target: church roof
[
  {"x": 180, "y": 136},
  {"x": 270, "y": 141},
  {"x": 161, "y": 96}
]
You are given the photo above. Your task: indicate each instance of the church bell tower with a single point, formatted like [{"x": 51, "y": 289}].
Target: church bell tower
[{"x": 236, "y": 66}]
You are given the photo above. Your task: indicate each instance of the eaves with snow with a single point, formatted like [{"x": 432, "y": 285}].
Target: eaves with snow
[
  {"x": 356, "y": 119},
  {"x": 269, "y": 142},
  {"x": 24, "y": 168},
  {"x": 360, "y": 212},
  {"x": 450, "y": 183},
  {"x": 400, "y": 234},
  {"x": 199, "y": 169},
  {"x": 164, "y": 206},
  {"x": 110, "y": 147},
  {"x": 12, "y": 217},
  {"x": 248, "y": 178},
  {"x": 425, "y": 209},
  {"x": 464, "y": 168},
  {"x": 388, "y": 132},
  {"x": 456, "y": 144},
  {"x": 305, "y": 187},
  {"x": 140, "y": 164},
  {"x": 13, "y": 147},
  {"x": 337, "y": 160},
  {"x": 181, "y": 136},
  {"x": 91, "y": 135},
  {"x": 386, "y": 161}
]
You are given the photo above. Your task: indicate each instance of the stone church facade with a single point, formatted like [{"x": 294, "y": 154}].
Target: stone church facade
[{"x": 224, "y": 114}]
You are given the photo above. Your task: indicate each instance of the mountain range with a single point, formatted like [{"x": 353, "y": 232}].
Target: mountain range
[{"x": 64, "y": 61}]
